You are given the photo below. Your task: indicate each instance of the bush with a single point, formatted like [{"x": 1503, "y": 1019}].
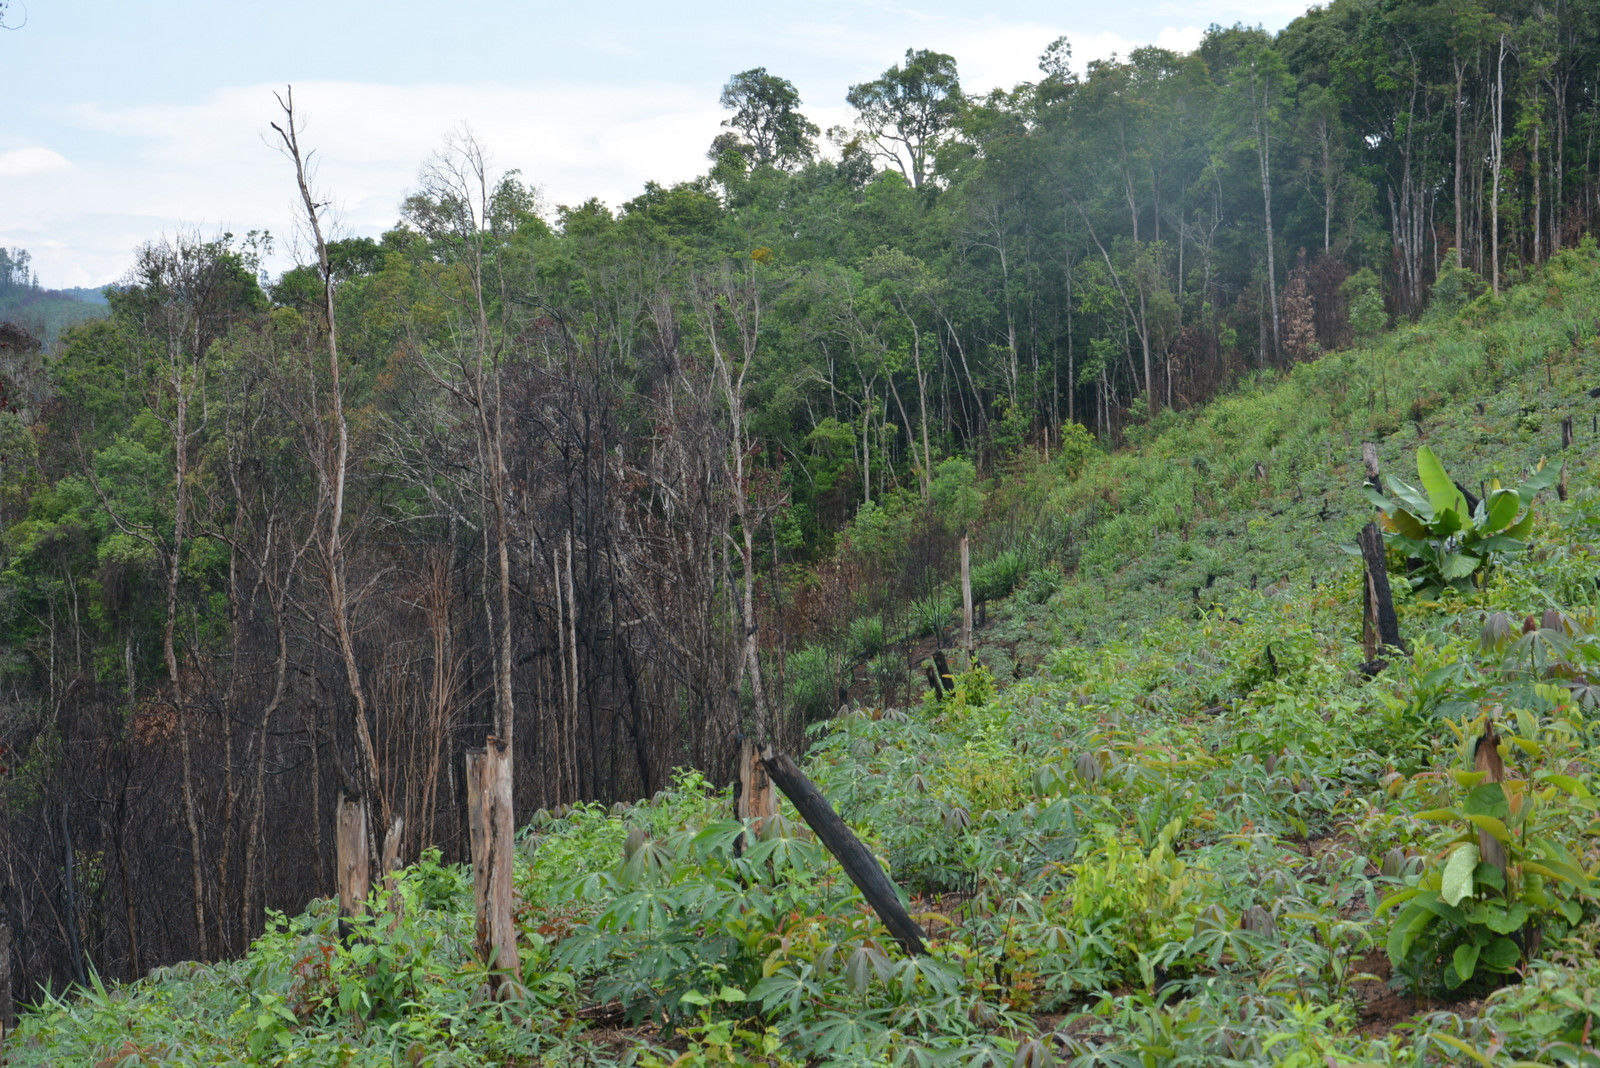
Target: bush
[
  {"x": 813, "y": 682},
  {"x": 865, "y": 638},
  {"x": 930, "y": 615},
  {"x": 998, "y": 577}
]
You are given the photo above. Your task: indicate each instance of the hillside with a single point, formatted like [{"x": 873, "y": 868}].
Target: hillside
[{"x": 1185, "y": 840}]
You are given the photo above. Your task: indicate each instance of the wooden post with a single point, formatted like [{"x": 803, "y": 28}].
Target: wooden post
[
  {"x": 1379, "y": 627},
  {"x": 352, "y": 861},
  {"x": 966, "y": 599},
  {"x": 490, "y": 824},
  {"x": 1566, "y": 443},
  {"x": 1369, "y": 460},
  {"x": 756, "y": 800},
  {"x": 857, "y": 861}
]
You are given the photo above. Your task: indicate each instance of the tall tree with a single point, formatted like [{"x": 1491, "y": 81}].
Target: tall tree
[
  {"x": 766, "y": 113},
  {"x": 906, "y": 111}
]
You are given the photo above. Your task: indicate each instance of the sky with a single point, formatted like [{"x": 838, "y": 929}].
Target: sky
[{"x": 124, "y": 123}]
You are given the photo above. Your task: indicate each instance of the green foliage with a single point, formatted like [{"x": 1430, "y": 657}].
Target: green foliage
[
  {"x": 811, "y": 680},
  {"x": 1365, "y": 298},
  {"x": 865, "y": 637},
  {"x": 930, "y": 615},
  {"x": 1470, "y": 916},
  {"x": 972, "y": 690},
  {"x": 996, "y": 578},
  {"x": 1138, "y": 905},
  {"x": 954, "y": 493},
  {"x": 1448, "y": 545}
]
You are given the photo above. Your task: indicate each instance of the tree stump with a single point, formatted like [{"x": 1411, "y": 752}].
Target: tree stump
[
  {"x": 757, "y": 800},
  {"x": 490, "y": 825},
  {"x": 1380, "y": 628},
  {"x": 353, "y": 865}
]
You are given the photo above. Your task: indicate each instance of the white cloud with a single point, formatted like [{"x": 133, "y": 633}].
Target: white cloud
[
  {"x": 208, "y": 163},
  {"x": 212, "y": 165},
  {"x": 25, "y": 162}
]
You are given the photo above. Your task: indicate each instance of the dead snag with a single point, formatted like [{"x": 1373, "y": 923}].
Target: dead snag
[
  {"x": 1486, "y": 758},
  {"x": 756, "y": 800},
  {"x": 1380, "y": 628}
]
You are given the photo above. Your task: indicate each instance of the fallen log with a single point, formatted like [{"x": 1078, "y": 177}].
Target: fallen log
[{"x": 858, "y": 862}]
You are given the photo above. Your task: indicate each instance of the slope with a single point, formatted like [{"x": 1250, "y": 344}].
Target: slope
[{"x": 1199, "y": 835}]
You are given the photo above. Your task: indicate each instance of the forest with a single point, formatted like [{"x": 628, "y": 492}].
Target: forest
[{"x": 620, "y": 486}]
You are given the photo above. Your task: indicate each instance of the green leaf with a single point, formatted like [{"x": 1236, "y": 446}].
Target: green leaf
[
  {"x": 1411, "y": 498},
  {"x": 1465, "y": 959},
  {"x": 1440, "y": 815},
  {"x": 1448, "y": 522},
  {"x": 1501, "y": 955},
  {"x": 1487, "y": 799},
  {"x": 1442, "y": 492},
  {"x": 1379, "y": 501},
  {"x": 1406, "y": 525},
  {"x": 1508, "y": 921},
  {"x": 1501, "y": 509},
  {"x": 1457, "y": 881},
  {"x": 1501, "y": 543},
  {"x": 1520, "y": 529},
  {"x": 1564, "y": 782},
  {"x": 1494, "y": 827},
  {"x": 1456, "y": 1043},
  {"x": 1543, "y": 478}
]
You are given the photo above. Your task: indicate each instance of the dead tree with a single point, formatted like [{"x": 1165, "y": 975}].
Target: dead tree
[{"x": 331, "y": 457}]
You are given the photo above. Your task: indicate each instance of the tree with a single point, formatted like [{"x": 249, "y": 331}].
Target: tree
[
  {"x": 907, "y": 110},
  {"x": 765, "y": 111},
  {"x": 331, "y": 448},
  {"x": 1256, "y": 84}
]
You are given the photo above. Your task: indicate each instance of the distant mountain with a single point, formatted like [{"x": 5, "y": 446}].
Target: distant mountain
[
  {"x": 45, "y": 313},
  {"x": 87, "y": 294}
]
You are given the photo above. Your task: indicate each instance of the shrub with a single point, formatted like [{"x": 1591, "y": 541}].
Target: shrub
[
  {"x": 998, "y": 577},
  {"x": 812, "y": 682},
  {"x": 865, "y": 637}
]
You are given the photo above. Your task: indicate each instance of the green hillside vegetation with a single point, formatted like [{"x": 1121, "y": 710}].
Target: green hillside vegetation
[
  {"x": 1201, "y": 833},
  {"x": 43, "y": 313}
]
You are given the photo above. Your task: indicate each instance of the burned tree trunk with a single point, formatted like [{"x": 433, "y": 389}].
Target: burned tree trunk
[
  {"x": 352, "y": 856},
  {"x": 490, "y": 826},
  {"x": 1380, "y": 628},
  {"x": 857, "y": 861},
  {"x": 756, "y": 800}
]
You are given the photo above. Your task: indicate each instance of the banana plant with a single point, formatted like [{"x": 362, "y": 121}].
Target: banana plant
[{"x": 1451, "y": 545}]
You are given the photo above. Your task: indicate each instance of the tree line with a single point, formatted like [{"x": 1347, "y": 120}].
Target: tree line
[{"x": 583, "y": 477}]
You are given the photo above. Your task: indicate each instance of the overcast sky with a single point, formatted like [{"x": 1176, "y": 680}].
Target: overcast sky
[{"x": 126, "y": 121}]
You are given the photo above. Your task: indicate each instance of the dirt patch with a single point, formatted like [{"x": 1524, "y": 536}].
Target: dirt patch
[{"x": 1379, "y": 1006}]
